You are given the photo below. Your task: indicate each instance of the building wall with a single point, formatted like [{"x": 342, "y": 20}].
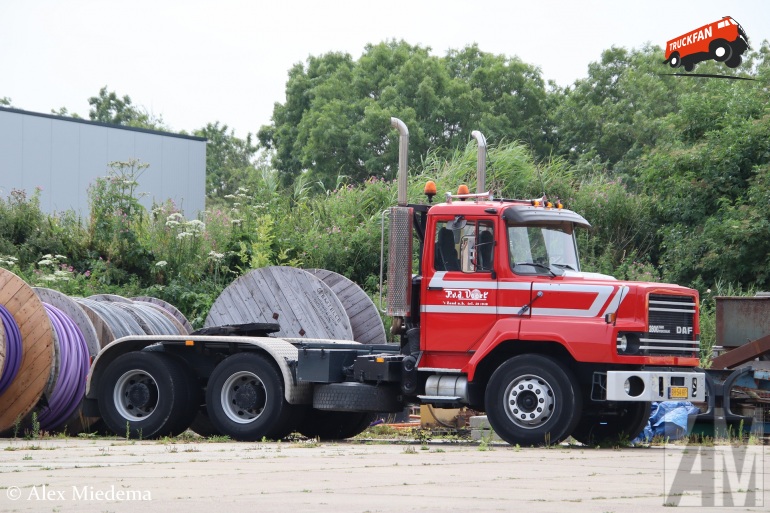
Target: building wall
[{"x": 63, "y": 156}]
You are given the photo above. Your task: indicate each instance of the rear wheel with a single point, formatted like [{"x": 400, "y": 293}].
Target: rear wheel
[
  {"x": 675, "y": 61},
  {"x": 335, "y": 425},
  {"x": 624, "y": 422},
  {"x": 533, "y": 400},
  {"x": 147, "y": 394},
  {"x": 245, "y": 399}
]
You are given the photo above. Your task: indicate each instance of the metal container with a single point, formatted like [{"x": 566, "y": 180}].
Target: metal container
[{"x": 741, "y": 320}]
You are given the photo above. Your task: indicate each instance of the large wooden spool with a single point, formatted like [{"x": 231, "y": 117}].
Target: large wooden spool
[
  {"x": 37, "y": 349},
  {"x": 302, "y": 304},
  {"x": 78, "y": 422},
  {"x": 365, "y": 320},
  {"x": 168, "y": 307},
  {"x": 104, "y": 333},
  {"x": 2, "y": 349},
  {"x": 73, "y": 310}
]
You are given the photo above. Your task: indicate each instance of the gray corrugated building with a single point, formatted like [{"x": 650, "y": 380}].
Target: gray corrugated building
[{"x": 63, "y": 156}]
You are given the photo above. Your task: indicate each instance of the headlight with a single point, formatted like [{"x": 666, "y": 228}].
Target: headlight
[
  {"x": 622, "y": 343},
  {"x": 628, "y": 343}
]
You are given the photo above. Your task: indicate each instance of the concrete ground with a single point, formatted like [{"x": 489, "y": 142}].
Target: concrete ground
[{"x": 104, "y": 475}]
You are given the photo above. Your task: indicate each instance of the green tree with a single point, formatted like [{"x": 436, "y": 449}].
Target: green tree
[
  {"x": 229, "y": 160},
  {"x": 335, "y": 121},
  {"x": 108, "y": 107}
]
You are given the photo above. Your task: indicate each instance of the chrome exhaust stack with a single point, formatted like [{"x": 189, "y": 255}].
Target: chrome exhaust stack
[
  {"x": 398, "y": 298},
  {"x": 481, "y": 162},
  {"x": 403, "y": 159}
]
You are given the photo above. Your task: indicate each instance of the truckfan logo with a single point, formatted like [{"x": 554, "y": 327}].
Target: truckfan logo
[{"x": 723, "y": 41}]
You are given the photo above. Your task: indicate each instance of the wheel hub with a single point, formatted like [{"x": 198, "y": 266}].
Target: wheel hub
[
  {"x": 248, "y": 396},
  {"x": 529, "y": 401},
  {"x": 136, "y": 395},
  {"x": 243, "y": 397},
  {"x": 139, "y": 395}
]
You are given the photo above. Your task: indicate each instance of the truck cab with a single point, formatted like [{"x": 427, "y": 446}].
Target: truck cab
[{"x": 508, "y": 323}]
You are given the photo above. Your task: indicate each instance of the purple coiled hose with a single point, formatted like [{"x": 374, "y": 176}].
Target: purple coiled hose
[
  {"x": 12, "y": 349},
  {"x": 70, "y": 386}
]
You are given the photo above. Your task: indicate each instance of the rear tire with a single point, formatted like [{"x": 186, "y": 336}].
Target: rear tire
[
  {"x": 147, "y": 395},
  {"x": 675, "y": 61},
  {"x": 335, "y": 425},
  {"x": 623, "y": 424},
  {"x": 533, "y": 400},
  {"x": 245, "y": 399}
]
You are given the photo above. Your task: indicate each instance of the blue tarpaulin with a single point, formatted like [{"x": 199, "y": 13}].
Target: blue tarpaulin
[{"x": 668, "y": 419}]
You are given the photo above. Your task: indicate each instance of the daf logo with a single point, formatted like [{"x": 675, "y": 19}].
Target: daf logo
[{"x": 684, "y": 330}]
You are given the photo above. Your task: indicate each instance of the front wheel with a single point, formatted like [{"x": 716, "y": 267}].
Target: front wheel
[
  {"x": 623, "y": 422},
  {"x": 533, "y": 400},
  {"x": 720, "y": 50},
  {"x": 245, "y": 399}
]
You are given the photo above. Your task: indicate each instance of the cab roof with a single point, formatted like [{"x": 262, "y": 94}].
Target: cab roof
[{"x": 517, "y": 212}]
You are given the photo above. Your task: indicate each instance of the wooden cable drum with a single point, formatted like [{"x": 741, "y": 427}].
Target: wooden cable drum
[
  {"x": 104, "y": 332},
  {"x": 78, "y": 422},
  {"x": 37, "y": 343},
  {"x": 178, "y": 327},
  {"x": 115, "y": 317},
  {"x": 74, "y": 311},
  {"x": 2, "y": 348},
  {"x": 365, "y": 320},
  {"x": 152, "y": 321},
  {"x": 302, "y": 304},
  {"x": 168, "y": 307},
  {"x": 109, "y": 298}
]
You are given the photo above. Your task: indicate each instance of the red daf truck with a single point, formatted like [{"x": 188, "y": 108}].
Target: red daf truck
[
  {"x": 723, "y": 41},
  {"x": 498, "y": 317}
]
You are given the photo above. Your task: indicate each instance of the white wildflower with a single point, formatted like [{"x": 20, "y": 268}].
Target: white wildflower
[
  {"x": 161, "y": 264},
  {"x": 213, "y": 255},
  {"x": 196, "y": 225}
]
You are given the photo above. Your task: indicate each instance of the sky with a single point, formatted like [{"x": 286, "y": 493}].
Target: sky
[{"x": 194, "y": 62}]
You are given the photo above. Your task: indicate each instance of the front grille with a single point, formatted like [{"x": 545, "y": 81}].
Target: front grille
[{"x": 670, "y": 326}]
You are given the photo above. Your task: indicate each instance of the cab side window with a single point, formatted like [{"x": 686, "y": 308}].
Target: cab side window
[{"x": 466, "y": 246}]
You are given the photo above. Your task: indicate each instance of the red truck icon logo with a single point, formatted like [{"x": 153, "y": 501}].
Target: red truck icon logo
[{"x": 723, "y": 41}]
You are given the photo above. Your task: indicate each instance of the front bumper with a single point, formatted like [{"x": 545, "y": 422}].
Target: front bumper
[{"x": 654, "y": 385}]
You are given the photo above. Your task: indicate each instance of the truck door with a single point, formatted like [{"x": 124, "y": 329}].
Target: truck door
[{"x": 459, "y": 304}]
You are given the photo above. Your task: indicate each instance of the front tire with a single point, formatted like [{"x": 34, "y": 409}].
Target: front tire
[
  {"x": 245, "y": 399},
  {"x": 622, "y": 423},
  {"x": 533, "y": 400},
  {"x": 720, "y": 50},
  {"x": 147, "y": 394}
]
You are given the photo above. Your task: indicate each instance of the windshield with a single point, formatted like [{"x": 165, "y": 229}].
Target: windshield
[{"x": 547, "y": 249}]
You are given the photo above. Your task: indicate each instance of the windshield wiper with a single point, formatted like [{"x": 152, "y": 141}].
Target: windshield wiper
[
  {"x": 539, "y": 266},
  {"x": 565, "y": 266}
]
